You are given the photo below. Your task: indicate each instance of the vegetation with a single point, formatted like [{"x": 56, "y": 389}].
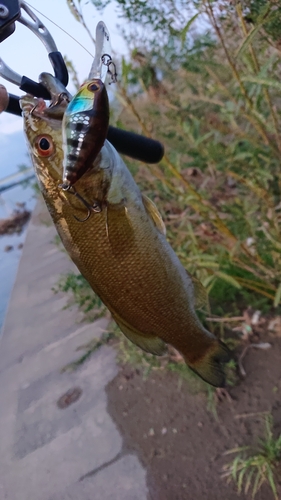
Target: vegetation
[
  {"x": 82, "y": 295},
  {"x": 89, "y": 349},
  {"x": 253, "y": 467},
  {"x": 203, "y": 77}
]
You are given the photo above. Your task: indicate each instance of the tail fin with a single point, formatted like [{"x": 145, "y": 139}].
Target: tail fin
[{"x": 210, "y": 368}]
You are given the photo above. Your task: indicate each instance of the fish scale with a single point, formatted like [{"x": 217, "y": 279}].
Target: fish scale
[{"x": 123, "y": 253}]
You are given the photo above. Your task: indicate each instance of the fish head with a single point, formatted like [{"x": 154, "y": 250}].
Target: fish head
[
  {"x": 43, "y": 130},
  {"x": 42, "y": 127},
  {"x": 84, "y": 127}
]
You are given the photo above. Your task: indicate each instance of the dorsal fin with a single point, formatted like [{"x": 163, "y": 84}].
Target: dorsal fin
[{"x": 154, "y": 214}]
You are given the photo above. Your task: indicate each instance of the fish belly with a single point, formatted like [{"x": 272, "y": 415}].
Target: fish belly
[{"x": 136, "y": 273}]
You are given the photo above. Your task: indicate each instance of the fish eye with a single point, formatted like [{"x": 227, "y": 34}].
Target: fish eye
[
  {"x": 93, "y": 87},
  {"x": 44, "y": 145}
]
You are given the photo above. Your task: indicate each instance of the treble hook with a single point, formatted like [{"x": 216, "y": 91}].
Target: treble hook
[
  {"x": 108, "y": 63},
  {"x": 91, "y": 208}
]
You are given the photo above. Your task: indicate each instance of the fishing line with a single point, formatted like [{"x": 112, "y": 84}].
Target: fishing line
[{"x": 55, "y": 24}]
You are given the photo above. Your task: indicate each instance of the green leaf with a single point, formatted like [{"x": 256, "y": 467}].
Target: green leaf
[
  {"x": 235, "y": 464},
  {"x": 268, "y": 82},
  {"x": 238, "y": 449},
  {"x": 257, "y": 484},
  {"x": 208, "y": 264},
  {"x": 126, "y": 67},
  {"x": 186, "y": 28},
  {"x": 262, "y": 19},
  {"x": 229, "y": 279},
  {"x": 248, "y": 40},
  {"x": 204, "y": 137},
  {"x": 277, "y": 297},
  {"x": 73, "y": 9},
  {"x": 272, "y": 482},
  {"x": 206, "y": 282},
  {"x": 240, "y": 479},
  {"x": 249, "y": 480}
]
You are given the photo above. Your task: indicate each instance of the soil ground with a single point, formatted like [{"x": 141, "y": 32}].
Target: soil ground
[{"x": 179, "y": 441}]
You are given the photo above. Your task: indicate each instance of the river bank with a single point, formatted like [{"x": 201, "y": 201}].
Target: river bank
[{"x": 49, "y": 450}]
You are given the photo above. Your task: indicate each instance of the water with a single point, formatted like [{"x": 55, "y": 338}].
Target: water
[
  {"x": 9, "y": 261},
  {"x": 13, "y": 153}
]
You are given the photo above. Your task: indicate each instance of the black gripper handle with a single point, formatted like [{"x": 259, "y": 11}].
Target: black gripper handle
[
  {"x": 136, "y": 146},
  {"x": 37, "y": 89},
  {"x": 60, "y": 69}
]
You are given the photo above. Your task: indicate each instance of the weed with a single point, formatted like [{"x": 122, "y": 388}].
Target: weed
[
  {"x": 30, "y": 181},
  {"x": 251, "y": 468},
  {"x": 195, "y": 384},
  {"x": 231, "y": 373},
  {"x": 133, "y": 355},
  {"x": 89, "y": 348},
  {"x": 82, "y": 295},
  {"x": 57, "y": 241},
  {"x": 212, "y": 402}
]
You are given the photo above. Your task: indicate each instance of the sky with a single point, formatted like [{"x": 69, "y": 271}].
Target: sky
[{"x": 26, "y": 55}]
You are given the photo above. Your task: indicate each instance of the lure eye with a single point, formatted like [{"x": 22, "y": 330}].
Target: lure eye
[
  {"x": 93, "y": 87},
  {"x": 44, "y": 145}
]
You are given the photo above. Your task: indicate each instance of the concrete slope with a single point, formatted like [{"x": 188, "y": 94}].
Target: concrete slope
[{"x": 48, "y": 452}]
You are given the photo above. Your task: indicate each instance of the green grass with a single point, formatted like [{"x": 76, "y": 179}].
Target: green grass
[
  {"x": 253, "y": 467},
  {"x": 81, "y": 294},
  {"x": 134, "y": 356},
  {"x": 90, "y": 348}
]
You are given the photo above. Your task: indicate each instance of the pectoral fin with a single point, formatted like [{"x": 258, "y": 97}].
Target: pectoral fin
[
  {"x": 200, "y": 293},
  {"x": 154, "y": 214},
  {"x": 151, "y": 344}
]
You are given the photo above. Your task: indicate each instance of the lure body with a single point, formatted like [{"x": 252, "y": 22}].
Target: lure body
[
  {"x": 84, "y": 130},
  {"x": 122, "y": 251}
]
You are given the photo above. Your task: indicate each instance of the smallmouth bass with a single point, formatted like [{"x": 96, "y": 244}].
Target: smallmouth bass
[{"x": 121, "y": 249}]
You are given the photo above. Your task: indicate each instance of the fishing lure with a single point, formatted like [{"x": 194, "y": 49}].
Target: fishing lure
[{"x": 86, "y": 119}]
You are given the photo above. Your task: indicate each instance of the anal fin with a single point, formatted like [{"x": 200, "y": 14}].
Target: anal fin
[{"x": 148, "y": 343}]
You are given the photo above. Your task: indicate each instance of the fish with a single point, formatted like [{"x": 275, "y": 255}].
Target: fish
[
  {"x": 121, "y": 249},
  {"x": 84, "y": 128}
]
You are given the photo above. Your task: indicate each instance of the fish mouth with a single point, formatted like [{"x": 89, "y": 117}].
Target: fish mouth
[{"x": 60, "y": 98}]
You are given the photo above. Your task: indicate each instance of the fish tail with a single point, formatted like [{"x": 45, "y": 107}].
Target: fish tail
[{"x": 210, "y": 366}]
